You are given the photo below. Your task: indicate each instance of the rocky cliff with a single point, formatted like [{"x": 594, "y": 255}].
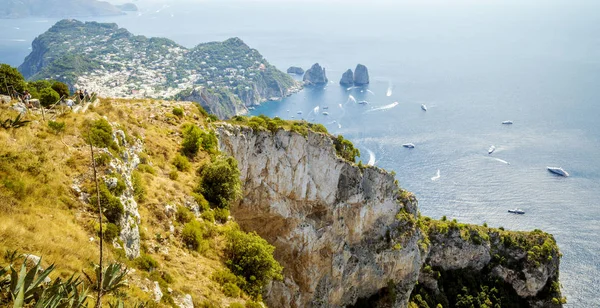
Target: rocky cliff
[
  {"x": 349, "y": 235},
  {"x": 347, "y": 78},
  {"x": 361, "y": 75},
  {"x": 315, "y": 75}
]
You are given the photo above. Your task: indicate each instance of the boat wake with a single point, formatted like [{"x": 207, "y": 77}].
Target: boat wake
[
  {"x": 502, "y": 161},
  {"x": 370, "y": 91},
  {"x": 386, "y": 107},
  {"x": 371, "y": 158},
  {"x": 437, "y": 176},
  {"x": 351, "y": 98},
  {"x": 316, "y": 110}
]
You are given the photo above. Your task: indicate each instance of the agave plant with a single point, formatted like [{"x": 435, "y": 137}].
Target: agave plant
[
  {"x": 113, "y": 277},
  {"x": 16, "y": 123},
  {"x": 26, "y": 286}
]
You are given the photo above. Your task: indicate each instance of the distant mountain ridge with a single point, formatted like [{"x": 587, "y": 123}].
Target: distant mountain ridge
[
  {"x": 56, "y": 8},
  {"x": 224, "y": 77}
]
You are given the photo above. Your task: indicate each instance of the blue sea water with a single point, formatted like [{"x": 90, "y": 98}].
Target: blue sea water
[{"x": 473, "y": 63}]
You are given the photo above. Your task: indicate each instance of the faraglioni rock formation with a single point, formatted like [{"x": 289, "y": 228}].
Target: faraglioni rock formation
[
  {"x": 315, "y": 76},
  {"x": 348, "y": 235},
  {"x": 361, "y": 75},
  {"x": 347, "y": 78},
  {"x": 295, "y": 70}
]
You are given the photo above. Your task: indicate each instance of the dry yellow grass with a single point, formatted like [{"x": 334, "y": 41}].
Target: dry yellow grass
[{"x": 41, "y": 215}]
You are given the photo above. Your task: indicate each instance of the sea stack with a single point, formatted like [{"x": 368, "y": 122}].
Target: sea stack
[
  {"x": 361, "y": 75},
  {"x": 315, "y": 76},
  {"x": 347, "y": 78},
  {"x": 295, "y": 70}
]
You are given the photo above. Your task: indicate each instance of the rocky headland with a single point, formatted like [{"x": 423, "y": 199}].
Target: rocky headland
[
  {"x": 349, "y": 235},
  {"x": 106, "y": 59}
]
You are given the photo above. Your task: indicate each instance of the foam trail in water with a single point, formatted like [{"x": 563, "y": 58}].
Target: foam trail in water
[
  {"x": 502, "y": 161},
  {"x": 349, "y": 88},
  {"x": 371, "y": 158},
  {"x": 351, "y": 98},
  {"x": 16, "y": 40},
  {"x": 339, "y": 125},
  {"x": 389, "y": 90},
  {"x": 370, "y": 91},
  {"x": 390, "y": 106},
  {"x": 17, "y": 28},
  {"x": 437, "y": 176},
  {"x": 316, "y": 110}
]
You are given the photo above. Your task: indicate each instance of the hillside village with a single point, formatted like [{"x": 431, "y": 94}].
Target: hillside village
[{"x": 106, "y": 59}]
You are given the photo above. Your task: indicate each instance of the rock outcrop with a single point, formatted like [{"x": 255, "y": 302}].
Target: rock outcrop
[
  {"x": 349, "y": 235},
  {"x": 334, "y": 224},
  {"x": 315, "y": 76},
  {"x": 361, "y": 75},
  {"x": 347, "y": 78},
  {"x": 295, "y": 70}
]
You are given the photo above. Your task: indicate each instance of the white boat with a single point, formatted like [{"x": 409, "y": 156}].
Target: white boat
[
  {"x": 423, "y": 107},
  {"x": 507, "y": 122},
  {"x": 325, "y": 113},
  {"x": 409, "y": 145},
  {"x": 363, "y": 102},
  {"x": 251, "y": 108},
  {"x": 558, "y": 170},
  {"x": 491, "y": 149},
  {"x": 516, "y": 211}
]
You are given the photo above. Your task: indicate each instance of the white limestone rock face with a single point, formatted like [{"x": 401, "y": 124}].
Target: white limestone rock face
[
  {"x": 124, "y": 165},
  {"x": 333, "y": 224}
]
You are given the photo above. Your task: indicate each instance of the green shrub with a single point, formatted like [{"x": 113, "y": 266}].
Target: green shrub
[
  {"x": 146, "y": 262},
  {"x": 201, "y": 110},
  {"x": 178, "y": 112},
  {"x": 202, "y": 203},
  {"x": 184, "y": 215},
  {"x": 173, "y": 175},
  {"x": 139, "y": 191},
  {"x": 110, "y": 231},
  {"x": 146, "y": 168},
  {"x": 345, "y": 149},
  {"x": 119, "y": 188},
  {"x": 100, "y": 134},
  {"x": 61, "y": 88},
  {"x": 102, "y": 159},
  {"x": 251, "y": 304},
  {"x": 192, "y": 140},
  {"x": 11, "y": 76},
  {"x": 48, "y": 97},
  {"x": 210, "y": 142},
  {"x": 56, "y": 127},
  {"x": 225, "y": 276},
  {"x": 221, "y": 215},
  {"x": 250, "y": 257},
  {"x": 231, "y": 290},
  {"x": 192, "y": 236},
  {"x": 181, "y": 163},
  {"x": 236, "y": 305},
  {"x": 208, "y": 216},
  {"x": 111, "y": 205},
  {"x": 220, "y": 182}
]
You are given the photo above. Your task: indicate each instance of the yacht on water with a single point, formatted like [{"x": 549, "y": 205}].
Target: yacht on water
[
  {"x": 363, "y": 102},
  {"x": 409, "y": 145},
  {"x": 325, "y": 113},
  {"x": 507, "y": 122},
  {"x": 491, "y": 149},
  {"x": 558, "y": 170},
  {"x": 299, "y": 112},
  {"x": 325, "y": 107},
  {"x": 423, "y": 107},
  {"x": 516, "y": 211}
]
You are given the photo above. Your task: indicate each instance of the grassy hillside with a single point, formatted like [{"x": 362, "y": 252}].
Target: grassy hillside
[{"x": 46, "y": 189}]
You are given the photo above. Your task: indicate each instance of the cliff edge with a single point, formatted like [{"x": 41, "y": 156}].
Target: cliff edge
[{"x": 348, "y": 235}]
